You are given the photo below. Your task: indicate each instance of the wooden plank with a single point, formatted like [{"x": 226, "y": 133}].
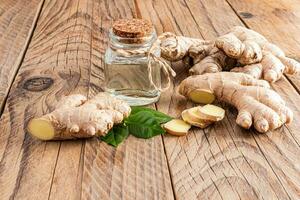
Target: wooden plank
[
  {"x": 57, "y": 63},
  {"x": 137, "y": 169},
  {"x": 278, "y": 20},
  {"x": 224, "y": 161},
  {"x": 76, "y": 19},
  {"x": 17, "y": 21}
]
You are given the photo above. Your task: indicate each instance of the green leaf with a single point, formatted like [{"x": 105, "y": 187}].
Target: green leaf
[
  {"x": 159, "y": 116},
  {"x": 143, "y": 124},
  {"x": 116, "y": 135},
  {"x": 140, "y": 131}
]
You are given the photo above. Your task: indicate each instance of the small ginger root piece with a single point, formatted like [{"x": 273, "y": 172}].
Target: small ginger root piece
[
  {"x": 192, "y": 117},
  {"x": 256, "y": 103},
  {"x": 212, "y": 112},
  {"x": 77, "y": 117},
  {"x": 175, "y": 48},
  {"x": 177, "y": 127}
]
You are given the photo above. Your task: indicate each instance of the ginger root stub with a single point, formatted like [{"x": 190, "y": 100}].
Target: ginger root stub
[{"x": 77, "y": 117}]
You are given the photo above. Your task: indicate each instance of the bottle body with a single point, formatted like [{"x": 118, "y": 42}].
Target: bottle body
[{"x": 127, "y": 76}]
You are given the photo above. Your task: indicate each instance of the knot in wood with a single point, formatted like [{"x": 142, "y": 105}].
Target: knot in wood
[
  {"x": 246, "y": 15},
  {"x": 37, "y": 84}
]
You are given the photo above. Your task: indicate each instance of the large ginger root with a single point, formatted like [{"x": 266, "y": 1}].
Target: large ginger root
[
  {"x": 259, "y": 58},
  {"x": 241, "y": 47},
  {"x": 77, "y": 117},
  {"x": 255, "y": 102}
]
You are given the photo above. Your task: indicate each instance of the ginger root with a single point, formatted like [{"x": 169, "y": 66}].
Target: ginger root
[
  {"x": 240, "y": 50},
  {"x": 256, "y": 54},
  {"x": 174, "y": 48},
  {"x": 192, "y": 51},
  {"x": 77, "y": 117},
  {"x": 177, "y": 127},
  {"x": 256, "y": 103}
]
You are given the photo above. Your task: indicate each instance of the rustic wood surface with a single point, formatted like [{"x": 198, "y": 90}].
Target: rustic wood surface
[
  {"x": 50, "y": 48},
  {"x": 17, "y": 21}
]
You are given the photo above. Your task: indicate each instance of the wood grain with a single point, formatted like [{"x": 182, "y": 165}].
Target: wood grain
[
  {"x": 56, "y": 63},
  {"x": 278, "y": 20},
  {"x": 224, "y": 161},
  {"x": 65, "y": 55},
  {"x": 137, "y": 169},
  {"x": 17, "y": 21}
]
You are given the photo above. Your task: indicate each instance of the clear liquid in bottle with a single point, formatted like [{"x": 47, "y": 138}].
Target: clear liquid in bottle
[{"x": 131, "y": 82}]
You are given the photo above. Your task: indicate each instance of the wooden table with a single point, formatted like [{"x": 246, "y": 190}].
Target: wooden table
[{"x": 50, "y": 48}]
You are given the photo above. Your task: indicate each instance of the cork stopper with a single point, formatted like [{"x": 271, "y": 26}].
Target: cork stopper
[{"x": 132, "y": 28}]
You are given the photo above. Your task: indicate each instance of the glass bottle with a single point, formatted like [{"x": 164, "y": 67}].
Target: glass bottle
[{"x": 126, "y": 63}]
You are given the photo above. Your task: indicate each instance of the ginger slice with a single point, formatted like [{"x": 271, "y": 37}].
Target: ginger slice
[
  {"x": 195, "y": 115},
  {"x": 192, "y": 118},
  {"x": 177, "y": 127},
  {"x": 212, "y": 112},
  {"x": 201, "y": 96}
]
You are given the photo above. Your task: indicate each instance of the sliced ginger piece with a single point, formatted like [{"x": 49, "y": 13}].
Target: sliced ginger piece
[
  {"x": 195, "y": 115},
  {"x": 193, "y": 119},
  {"x": 201, "y": 96},
  {"x": 177, "y": 127},
  {"x": 212, "y": 112}
]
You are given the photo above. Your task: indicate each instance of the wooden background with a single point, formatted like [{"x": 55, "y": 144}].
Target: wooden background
[{"x": 50, "y": 48}]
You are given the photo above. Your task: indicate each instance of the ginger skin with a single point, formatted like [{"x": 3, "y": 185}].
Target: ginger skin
[
  {"x": 175, "y": 48},
  {"x": 201, "y": 54},
  {"x": 255, "y": 102},
  {"x": 77, "y": 117}
]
